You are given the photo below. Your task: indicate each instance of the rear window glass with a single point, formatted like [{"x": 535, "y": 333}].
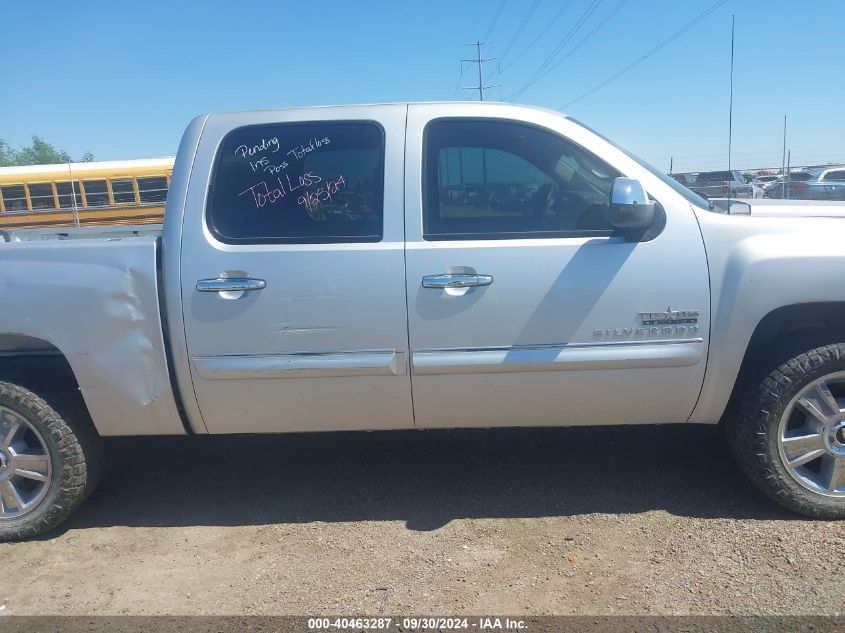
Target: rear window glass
[
  {"x": 316, "y": 182},
  {"x": 714, "y": 176}
]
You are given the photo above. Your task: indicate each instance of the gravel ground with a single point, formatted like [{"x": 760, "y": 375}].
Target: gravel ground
[{"x": 612, "y": 520}]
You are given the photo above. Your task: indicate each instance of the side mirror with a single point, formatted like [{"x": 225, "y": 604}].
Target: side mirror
[{"x": 630, "y": 207}]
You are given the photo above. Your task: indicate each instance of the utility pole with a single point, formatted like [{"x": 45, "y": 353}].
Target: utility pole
[
  {"x": 481, "y": 88},
  {"x": 480, "y": 61},
  {"x": 731, "y": 106},
  {"x": 787, "y": 177},
  {"x": 783, "y": 159}
]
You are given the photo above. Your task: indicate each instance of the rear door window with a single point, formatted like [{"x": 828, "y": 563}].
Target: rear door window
[{"x": 315, "y": 182}]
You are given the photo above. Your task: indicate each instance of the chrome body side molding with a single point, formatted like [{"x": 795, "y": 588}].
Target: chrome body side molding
[
  {"x": 375, "y": 363},
  {"x": 560, "y": 357}
]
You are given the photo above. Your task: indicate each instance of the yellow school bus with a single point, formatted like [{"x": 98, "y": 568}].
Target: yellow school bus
[{"x": 77, "y": 194}]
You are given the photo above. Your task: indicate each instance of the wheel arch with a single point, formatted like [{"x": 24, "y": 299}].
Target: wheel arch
[
  {"x": 38, "y": 365},
  {"x": 784, "y": 332}
]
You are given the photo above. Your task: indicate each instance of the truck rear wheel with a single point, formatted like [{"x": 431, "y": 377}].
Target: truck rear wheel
[
  {"x": 49, "y": 464},
  {"x": 788, "y": 433}
]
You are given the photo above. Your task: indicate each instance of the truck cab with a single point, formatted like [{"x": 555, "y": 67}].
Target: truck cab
[{"x": 427, "y": 265}]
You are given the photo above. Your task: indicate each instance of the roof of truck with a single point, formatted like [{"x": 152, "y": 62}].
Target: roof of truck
[{"x": 462, "y": 104}]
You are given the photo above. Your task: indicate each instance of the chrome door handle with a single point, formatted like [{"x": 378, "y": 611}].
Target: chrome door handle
[
  {"x": 230, "y": 284},
  {"x": 461, "y": 280}
]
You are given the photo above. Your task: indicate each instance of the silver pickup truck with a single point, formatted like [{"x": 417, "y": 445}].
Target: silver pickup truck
[
  {"x": 421, "y": 266},
  {"x": 716, "y": 184}
]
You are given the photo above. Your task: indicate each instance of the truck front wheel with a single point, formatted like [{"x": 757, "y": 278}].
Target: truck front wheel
[
  {"x": 49, "y": 464},
  {"x": 788, "y": 432}
]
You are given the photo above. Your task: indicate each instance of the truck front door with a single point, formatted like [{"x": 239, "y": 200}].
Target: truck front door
[
  {"x": 561, "y": 320},
  {"x": 292, "y": 271}
]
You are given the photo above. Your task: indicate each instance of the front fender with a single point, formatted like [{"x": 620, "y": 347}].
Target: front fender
[{"x": 757, "y": 266}]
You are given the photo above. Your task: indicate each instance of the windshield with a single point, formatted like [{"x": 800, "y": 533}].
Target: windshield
[{"x": 690, "y": 196}]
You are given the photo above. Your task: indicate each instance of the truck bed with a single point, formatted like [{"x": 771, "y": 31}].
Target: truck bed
[
  {"x": 91, "y": 295},
  {"x": 82, "y": 232}
]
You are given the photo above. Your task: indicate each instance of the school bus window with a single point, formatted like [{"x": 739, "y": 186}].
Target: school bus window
[
  {"x": 96, "y": 193},
  {"x": 41, "y": 196},
  {"x": 14, "y": 198},
  {"x": 66, "y": 193},
  {"x": 123, "y": 190},
  {"x": 152, "y": 189}
]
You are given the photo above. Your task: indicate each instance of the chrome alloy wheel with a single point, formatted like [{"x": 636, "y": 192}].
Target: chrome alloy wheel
[
  {"x": 25, "y": 465},
  {"x": 811, "y": 436}
]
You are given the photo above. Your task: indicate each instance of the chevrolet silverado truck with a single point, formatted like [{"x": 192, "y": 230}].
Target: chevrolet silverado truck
[
  {"x": 715, "y": 184},
  {"x": 421, "y": 266}
]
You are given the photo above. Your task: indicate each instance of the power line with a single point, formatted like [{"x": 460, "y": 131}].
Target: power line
[
  {"x": 566, "y": 39},
  {"x": 731, "y": 106},
  {"x": 520, "y": 28},
  {"x": 545, "y": 30},
  {"x": 572, "y": 50},
  {"x": 458, "y": 85},
  {"x": 495, "y": 19},
  {"x": 559, "y": 47},
  {"x": 654, "y": 50}
]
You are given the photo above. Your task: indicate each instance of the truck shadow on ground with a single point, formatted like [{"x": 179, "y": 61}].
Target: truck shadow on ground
[{"x": 423, "y": 478}]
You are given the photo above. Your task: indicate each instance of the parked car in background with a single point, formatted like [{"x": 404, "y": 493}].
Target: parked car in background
[
  {"x": 803, "y": 175},
  {"x": 685, "y": 179},
  {"x": 759, "y": 184},
  {"x": 762, "y": 181},
  {"x": 716, "y": 184},
  {"x": 834, "y": 174}
]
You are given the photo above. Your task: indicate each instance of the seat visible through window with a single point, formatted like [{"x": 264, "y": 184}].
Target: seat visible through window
[{"x": 488, "y": 179}]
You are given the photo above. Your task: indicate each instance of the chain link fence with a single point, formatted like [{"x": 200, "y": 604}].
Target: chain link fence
[{"x": 805, "y": 175}]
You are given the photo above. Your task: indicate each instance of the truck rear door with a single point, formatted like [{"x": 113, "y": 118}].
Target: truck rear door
[{"x": 292, "y": 271}]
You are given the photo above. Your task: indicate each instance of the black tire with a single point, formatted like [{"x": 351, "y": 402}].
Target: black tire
[
  {"x": 752, "y": 428},
  {"x": 76, "y": 455}
]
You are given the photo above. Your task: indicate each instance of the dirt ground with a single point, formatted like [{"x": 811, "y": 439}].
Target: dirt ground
[{"x": 633, "y": 520}]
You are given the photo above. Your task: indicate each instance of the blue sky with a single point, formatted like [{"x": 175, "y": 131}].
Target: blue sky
[{"x": 122, "y": 79}]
